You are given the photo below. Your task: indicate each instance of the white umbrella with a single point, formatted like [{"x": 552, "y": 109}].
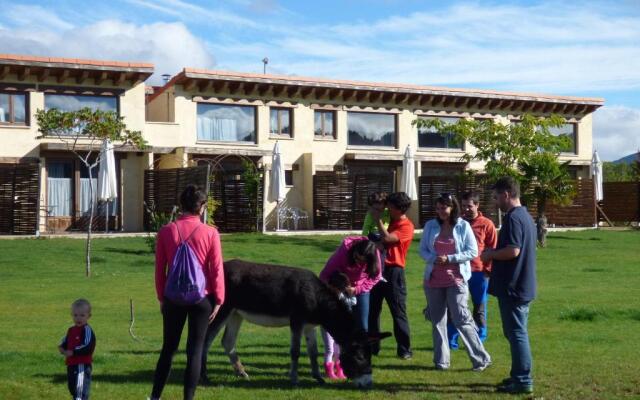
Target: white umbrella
[
  {"x": 277, "y": 183},
  {"x": 107, "y": 182},
  {"x": 596, "y": 172},
  {"x": 408, "y": 184}
]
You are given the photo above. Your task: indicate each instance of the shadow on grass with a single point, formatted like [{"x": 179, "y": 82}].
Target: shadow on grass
[
  {"x": 581, "y": 315},
  {"x": 561, "y": 237},
  {"x": 279, "y": 380},
  {"x": 594, "y": 270},
  {"x": 145, "y": 252}
]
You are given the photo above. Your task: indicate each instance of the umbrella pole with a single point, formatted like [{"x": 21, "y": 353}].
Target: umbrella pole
[
  {"x": 106, "y": 218},
  {"x": 277, "y": 216}
]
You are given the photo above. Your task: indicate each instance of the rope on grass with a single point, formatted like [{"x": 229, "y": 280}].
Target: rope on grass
[{"x": 132, "y": 320}]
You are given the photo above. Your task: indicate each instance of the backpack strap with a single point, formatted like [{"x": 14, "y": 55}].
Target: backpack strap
[{"x": 188, "y": 237}]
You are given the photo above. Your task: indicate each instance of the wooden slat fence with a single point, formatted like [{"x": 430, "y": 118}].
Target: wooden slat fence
[
  {"x": 621, "y": 201},
  {"x": 19, "y": 191},
  {"x": 162, "y": 187},
  {"x": 340, "y": 199},
  {"x": 580, "y": 213},
  {"x": 236, "y": 212},
  {"x": 430, "y": 188}
]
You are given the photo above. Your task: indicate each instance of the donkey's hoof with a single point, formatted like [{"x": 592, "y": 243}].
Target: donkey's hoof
[{"x": 242, "y": 374}]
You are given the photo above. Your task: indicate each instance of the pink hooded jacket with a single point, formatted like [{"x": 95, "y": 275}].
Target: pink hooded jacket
[{"x": 357, "y": 273}]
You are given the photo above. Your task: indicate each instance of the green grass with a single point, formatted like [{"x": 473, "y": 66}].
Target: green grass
[{"x": 584, "y": 326}]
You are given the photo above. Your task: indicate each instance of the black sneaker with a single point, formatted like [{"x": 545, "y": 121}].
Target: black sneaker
[{"x": 516, "y": 388}]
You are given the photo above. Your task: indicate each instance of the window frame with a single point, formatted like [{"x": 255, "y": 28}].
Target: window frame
[
  {"x": 574, "y": 150},
  {"x": 236, "y": 142},
  {"x": 279, "y": 133},
  {"x": 115, "y": 96},
  {"x": 396, "y": 128},
  {"x": 324, "y": 136},
  {"x": 12, "y": 117},
  {"x": 446, "y": 138}
]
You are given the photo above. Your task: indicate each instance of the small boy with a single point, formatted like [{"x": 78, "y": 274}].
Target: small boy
[
  {"x": 377, "y": 201},
  {"x": 77, "y": 346}
]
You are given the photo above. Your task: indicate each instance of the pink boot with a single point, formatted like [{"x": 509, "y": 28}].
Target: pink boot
[
  {"x": 339, "y": 371},
  {"x": 328, "y": 370}
]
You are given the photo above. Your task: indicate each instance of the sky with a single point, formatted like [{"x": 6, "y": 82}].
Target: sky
[{"x": 585, "y": 48}]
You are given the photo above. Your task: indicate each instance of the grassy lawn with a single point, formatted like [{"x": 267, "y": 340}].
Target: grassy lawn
[{"x": 584, "y": 326}]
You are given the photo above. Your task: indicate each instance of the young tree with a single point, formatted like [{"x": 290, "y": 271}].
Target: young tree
[
  {"x": 526, "y": 150},
  {"x": 82, "y": 131}
]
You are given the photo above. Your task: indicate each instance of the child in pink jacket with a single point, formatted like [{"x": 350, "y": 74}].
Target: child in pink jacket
[{"x": 359, "y": 259}]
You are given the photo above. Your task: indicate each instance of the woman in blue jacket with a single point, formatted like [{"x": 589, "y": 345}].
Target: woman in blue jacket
[{"x": 447, "y": 245}]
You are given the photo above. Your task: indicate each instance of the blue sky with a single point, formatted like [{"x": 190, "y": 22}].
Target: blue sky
[{"x": 567, "y": 48}]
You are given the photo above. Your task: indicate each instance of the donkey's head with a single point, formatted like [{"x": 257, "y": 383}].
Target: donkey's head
[{"x": 355, "y": 358}]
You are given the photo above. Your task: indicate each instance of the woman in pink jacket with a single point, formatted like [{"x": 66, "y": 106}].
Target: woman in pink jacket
[
  {"x": 204, "y": 240},
  {"x": 359, "y": 259}
]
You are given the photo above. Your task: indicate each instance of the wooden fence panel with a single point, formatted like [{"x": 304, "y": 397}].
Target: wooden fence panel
[
  {"x": 580, "y": 213},
  {"x": 430, "y": 188},
  {"x": 363, "y": 186},
  {"x": 332, "y": 200},
  {"x": 162, "y": 187},
  {"x": 621, "y": 201},
  {"x": 235, "y": 213},
  {"x": 19, "y": 192}
]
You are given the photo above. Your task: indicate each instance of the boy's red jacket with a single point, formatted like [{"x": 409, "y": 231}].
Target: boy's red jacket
[{"x": 82, "y": 341}]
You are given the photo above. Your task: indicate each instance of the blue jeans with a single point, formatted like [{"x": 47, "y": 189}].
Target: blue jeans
[
  {"x": 361, "y": 311},
  {"x": 478, "y": 285},
  {"x": 514, "y": 314}
]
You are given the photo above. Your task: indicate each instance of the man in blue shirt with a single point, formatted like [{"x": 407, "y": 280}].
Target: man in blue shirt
[{"x": 513, "y": 281}]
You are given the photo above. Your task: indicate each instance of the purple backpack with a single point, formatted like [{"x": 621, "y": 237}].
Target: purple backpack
[{"x": 186, "y": 282}]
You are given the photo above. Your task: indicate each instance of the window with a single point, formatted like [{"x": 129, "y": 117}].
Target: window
[
  {"x": 280, "y": 121},
  {"x": 226, "y": 123},
  {"x": 68, "y": 102},
  {"x": 13, "y": 108},
  {"x": 59, "y": 188},
  {"x": 569, "y": 131},
  {"x": 430, "y": 137},
  {"x": 371, "y": 129},
  {"x": 324, "y": 124},
  {"x": 288, "y": 177}
]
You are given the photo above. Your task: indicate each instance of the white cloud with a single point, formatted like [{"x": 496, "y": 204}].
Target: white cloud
[
  {"x": 170, "y": 46},
  {"x": 24, "y": 15},
  {"x": 616, "y": 131}
]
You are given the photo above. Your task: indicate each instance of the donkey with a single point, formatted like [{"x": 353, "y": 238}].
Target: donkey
[{"x": 273, "y": 295}]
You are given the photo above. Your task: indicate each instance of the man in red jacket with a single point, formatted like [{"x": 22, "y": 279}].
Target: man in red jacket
[
  {"x": 78, "y": 346},
  {"x": 487, "y": 238}
]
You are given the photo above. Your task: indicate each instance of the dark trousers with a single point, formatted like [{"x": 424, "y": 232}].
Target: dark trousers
[
  {"x": 394, "y": 291},
  {"x": 173, "y": 319},
  {"x": 79, "y": 380}
]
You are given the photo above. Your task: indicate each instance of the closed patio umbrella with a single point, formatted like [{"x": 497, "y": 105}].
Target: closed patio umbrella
[
  {"x": 107, "y": 182},
  {"x": 596, "y": 172},
  {"x": 408, "y": 184},
  {"x": 276, "y": 181}
]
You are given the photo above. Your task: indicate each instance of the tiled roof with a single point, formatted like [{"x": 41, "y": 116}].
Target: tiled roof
[
  {"x": 398, "y": 87},
  {"x": 72, "y": 62}
]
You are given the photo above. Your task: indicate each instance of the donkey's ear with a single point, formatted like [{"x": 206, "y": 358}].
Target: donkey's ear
[{"x": 376, "y": 337}]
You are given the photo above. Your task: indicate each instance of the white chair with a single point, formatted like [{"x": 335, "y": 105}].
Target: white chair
[
  {"x": 298, "y": 215},
  {"x": 285, "y": 217}
]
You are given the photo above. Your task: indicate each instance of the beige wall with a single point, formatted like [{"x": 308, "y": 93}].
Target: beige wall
[
  {"x": 22, "y": 141},
  {"x": 312, "y": 154}
]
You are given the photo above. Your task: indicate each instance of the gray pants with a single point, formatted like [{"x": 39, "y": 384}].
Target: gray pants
[{"x": 455, "y": 299}]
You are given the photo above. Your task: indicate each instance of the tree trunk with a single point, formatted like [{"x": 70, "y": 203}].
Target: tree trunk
[
  {"x": 541, "y": 224},
  {"x": 88, "y": 255}
]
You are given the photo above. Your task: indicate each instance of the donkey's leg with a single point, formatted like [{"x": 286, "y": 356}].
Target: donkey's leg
[
  {"x": 296, "y": 336},
  {"x": 212, "y": 331},
  {"x": 229, "y": 340},
  {"x": 312, "y": 350}
]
